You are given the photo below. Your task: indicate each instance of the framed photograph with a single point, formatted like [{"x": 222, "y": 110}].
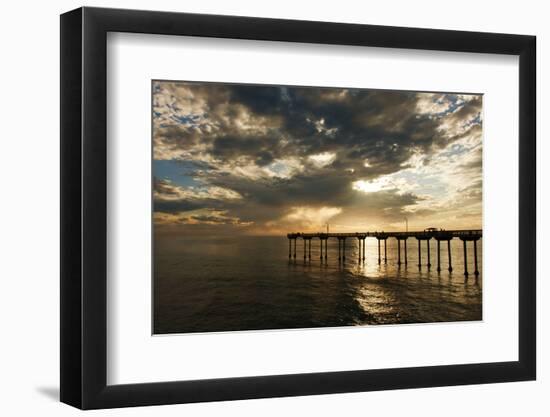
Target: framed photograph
[{"x": 258, "y": 208}]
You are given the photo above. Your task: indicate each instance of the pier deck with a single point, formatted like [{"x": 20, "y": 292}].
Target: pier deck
[
  {"x": 473, "y": 233},
  {"x": 469, "y": 235}
]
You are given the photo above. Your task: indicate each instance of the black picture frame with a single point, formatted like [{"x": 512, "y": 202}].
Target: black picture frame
[{"x": 84, "y": 207}]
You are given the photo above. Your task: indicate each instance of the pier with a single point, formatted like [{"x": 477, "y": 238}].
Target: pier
[{"x": 439, "y": 236}]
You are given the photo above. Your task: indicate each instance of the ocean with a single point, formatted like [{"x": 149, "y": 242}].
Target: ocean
[{"x": 215, "y": 284}]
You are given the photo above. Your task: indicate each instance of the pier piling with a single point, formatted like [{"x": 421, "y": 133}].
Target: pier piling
[
  {"x": 419, "y": 254},
  {"x": 400, "y": 238},
  {"x": 438, "y": 255},
  {"x": 429, "y": 264},
  {"x": 398, "y": 252},
  {"x": 427, "y": 235},
  {"x": 450, "y": 258},
  {"x": 344, "y": 249},
  {"x": 465, "y": 258},
  {"x": 476, "y": 271}
]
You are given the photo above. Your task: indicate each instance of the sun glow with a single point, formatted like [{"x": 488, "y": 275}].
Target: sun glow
[
  {"x": 372, "y": 186},
  {"x": 323, "y": 159}
]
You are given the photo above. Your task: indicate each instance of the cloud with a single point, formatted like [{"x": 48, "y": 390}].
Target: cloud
[
  {"x": 169, "y": 197},
  {"x": 259, "y": 152},
  {"x": 199, "y": 217},
  {"x": 322, "y": 159},
  {"x": 307, "y": 218}
]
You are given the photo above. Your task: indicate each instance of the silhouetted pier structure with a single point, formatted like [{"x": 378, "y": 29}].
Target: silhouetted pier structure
[{"x": 439, "y": 235}]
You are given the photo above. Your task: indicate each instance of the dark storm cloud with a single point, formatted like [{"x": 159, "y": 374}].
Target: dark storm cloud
[
  {"x": 183, "y": 205},
  {"x": 205, "y": 218},
  {"x": 261, "y": 149},
  {"x": 299, "y": 190},
  {"x": 267, "y": 144},
  {"x": 263, "y": 99},
  {"x": 379, "y": 126}
]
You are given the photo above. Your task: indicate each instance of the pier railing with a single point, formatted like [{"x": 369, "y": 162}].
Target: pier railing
[{"x": 441, "y": 235}]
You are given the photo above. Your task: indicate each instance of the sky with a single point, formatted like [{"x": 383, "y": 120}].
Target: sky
[{"x": 269, "y": 160}]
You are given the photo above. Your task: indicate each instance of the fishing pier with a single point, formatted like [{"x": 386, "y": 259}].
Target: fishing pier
[{"x": 444, "y": 236}]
